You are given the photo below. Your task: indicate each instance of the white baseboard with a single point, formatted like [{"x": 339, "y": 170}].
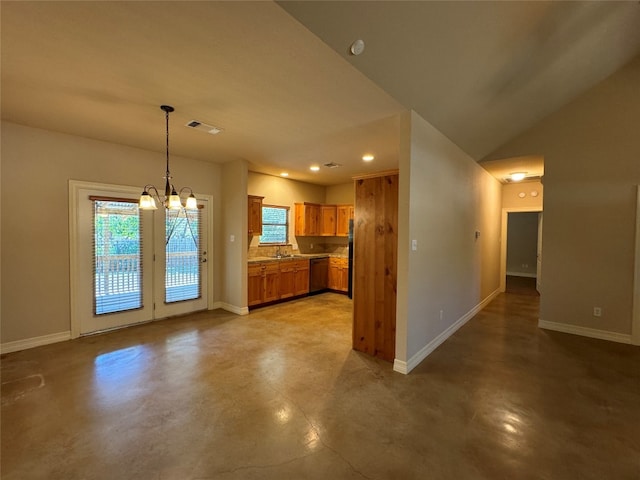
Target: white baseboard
[
  {"x": 403, "y": 367},
  {"x": 233, "y": 308},
  {"x": 34, "y": 342},
  {"x": 585, "y": 331},
  {"x": 521, "y": 274}
]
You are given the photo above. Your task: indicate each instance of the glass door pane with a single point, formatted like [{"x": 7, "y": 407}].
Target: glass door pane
[
  {"x": 181, "y": 268},
  {"x": 182, "y": 255},
  {"x": 117, "y": 259}
]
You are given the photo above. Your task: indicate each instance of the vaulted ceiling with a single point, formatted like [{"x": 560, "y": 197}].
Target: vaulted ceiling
[{"x": 281, "y": 83}]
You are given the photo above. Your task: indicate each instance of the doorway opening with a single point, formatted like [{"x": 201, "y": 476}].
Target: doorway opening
[
  {"x": 521, "y": 251},
  {"x": 130, "y": 266}
]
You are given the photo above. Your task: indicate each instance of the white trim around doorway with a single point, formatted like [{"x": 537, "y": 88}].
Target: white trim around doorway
[{"x": 75, "y": 186}]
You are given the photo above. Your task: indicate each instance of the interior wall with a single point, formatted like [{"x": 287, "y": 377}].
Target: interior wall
[
  {"x": 527, "y": 195},
  {"x": 522, "y": 244},
  {"x": 453, "y": 208},
  {"x": 340, "y": 194},
  {"x": 234, "y": 238},
  {"x": 284, "y": 192},
  {"x": 591, "y": 149},
  {"x": 36, "y": 167}
]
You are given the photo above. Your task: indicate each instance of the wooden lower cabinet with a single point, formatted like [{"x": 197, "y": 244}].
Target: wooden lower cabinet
[
  {"x": 301, "y": 277},
  {"x": 271, "y": 281},
  {"x": 264, "y": 283},
  {"x": 338, "y": 278},
  {"x": 287, "y": 280}
]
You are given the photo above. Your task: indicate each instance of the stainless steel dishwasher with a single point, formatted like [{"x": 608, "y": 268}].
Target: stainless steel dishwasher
[{"x": 318, "y": 274}]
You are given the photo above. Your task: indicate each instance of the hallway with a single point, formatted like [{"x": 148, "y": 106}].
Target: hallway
[{"x": 280, "y": 394}]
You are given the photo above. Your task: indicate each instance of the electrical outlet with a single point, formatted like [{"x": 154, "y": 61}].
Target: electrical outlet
[{"x": 597, "y": 311}]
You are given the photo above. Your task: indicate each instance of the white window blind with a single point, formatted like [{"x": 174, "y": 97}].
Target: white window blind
[
  {"x": 275, "y": 225},
  {"x": 182, "y": 247},
  {"x": 117, "y": 255}
]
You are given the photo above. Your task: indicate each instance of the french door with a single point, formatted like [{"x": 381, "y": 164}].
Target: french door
[
  {"x": 131, "y": 266},
  {"x": 181, "y": 263}
]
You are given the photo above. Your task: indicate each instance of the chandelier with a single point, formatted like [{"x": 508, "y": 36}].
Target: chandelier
[{"x": 172, "y": 200}]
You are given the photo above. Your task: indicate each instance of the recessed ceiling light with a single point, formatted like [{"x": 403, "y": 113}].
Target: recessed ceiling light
[
  {"x": 314, "y": 168},
  {"x": 284, "y": 174},
  {"x": 517, "y": 176},
  {"x": 368, "y": 157}
]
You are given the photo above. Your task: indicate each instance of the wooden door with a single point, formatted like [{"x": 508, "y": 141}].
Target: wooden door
[
  {"x": 375, "y": 248},
  {"x": 344, "y": 275},
  {"x": 301, "y": 274},
  {"x": 255, "y": 215},
  {"x": 333, "y": 277},
  {"x": 255, "y": 285},
  {"x": 307, "y": 217},
  {"x": 343, "y": 214},
  {"x": 328, "y": 220},
  {"x": 312, "y": 216},
  {"x": 271, "y": 273},
  {"x": 287, "y": 279}
]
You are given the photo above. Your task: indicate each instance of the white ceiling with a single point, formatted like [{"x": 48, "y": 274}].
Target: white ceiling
[{"x": 481, "y": 72}]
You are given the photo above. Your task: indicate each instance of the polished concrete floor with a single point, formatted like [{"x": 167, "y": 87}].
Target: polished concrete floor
[{"x": 279, "y": 394}]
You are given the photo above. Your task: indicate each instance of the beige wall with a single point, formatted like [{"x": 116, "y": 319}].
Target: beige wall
[
  {"x": 234, "y": 241},
  {"x": 340, "y": 194},
  {"x": 592, "y": 166},
  {"x": 511, "y": 198},
  {"x": 445, "y": 197},
  {"x": 36, "y": 168},
  {"x": 284, "y": 192}
]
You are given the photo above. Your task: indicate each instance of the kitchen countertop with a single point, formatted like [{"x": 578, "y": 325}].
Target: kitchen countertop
[{"x": 300, "y": 256}]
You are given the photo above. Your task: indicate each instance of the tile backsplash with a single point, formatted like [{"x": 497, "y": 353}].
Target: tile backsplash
[{"x": 305, "y": 246}]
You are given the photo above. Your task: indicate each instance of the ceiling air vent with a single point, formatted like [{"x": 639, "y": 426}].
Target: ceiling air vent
[
  {"x": 204, "y": 127},
  {"x": 332, "y": 165}
]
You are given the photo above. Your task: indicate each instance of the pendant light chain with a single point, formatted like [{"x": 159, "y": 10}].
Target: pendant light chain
[
  {"x": 171, "y": 200},
  {"x": 166, "y": 114}
]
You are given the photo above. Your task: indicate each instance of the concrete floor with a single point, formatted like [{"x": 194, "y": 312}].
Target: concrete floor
[{"x": 279, "y": 394}]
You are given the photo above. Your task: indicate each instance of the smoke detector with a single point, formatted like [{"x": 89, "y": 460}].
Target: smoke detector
[{"x": 204, "y": 127}]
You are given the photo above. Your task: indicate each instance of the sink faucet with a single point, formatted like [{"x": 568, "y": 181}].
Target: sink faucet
[{"x": 278, "y": 253}]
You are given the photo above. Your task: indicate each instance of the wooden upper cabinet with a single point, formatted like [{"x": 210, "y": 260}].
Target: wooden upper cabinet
[
  {"x": 328, "y": 220},
  {"x": 316, "y": 220},
  {"x": 344, "y": 213},
  {"x": 307, "y": 219},
  {"x": 255, "y": 215}
]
